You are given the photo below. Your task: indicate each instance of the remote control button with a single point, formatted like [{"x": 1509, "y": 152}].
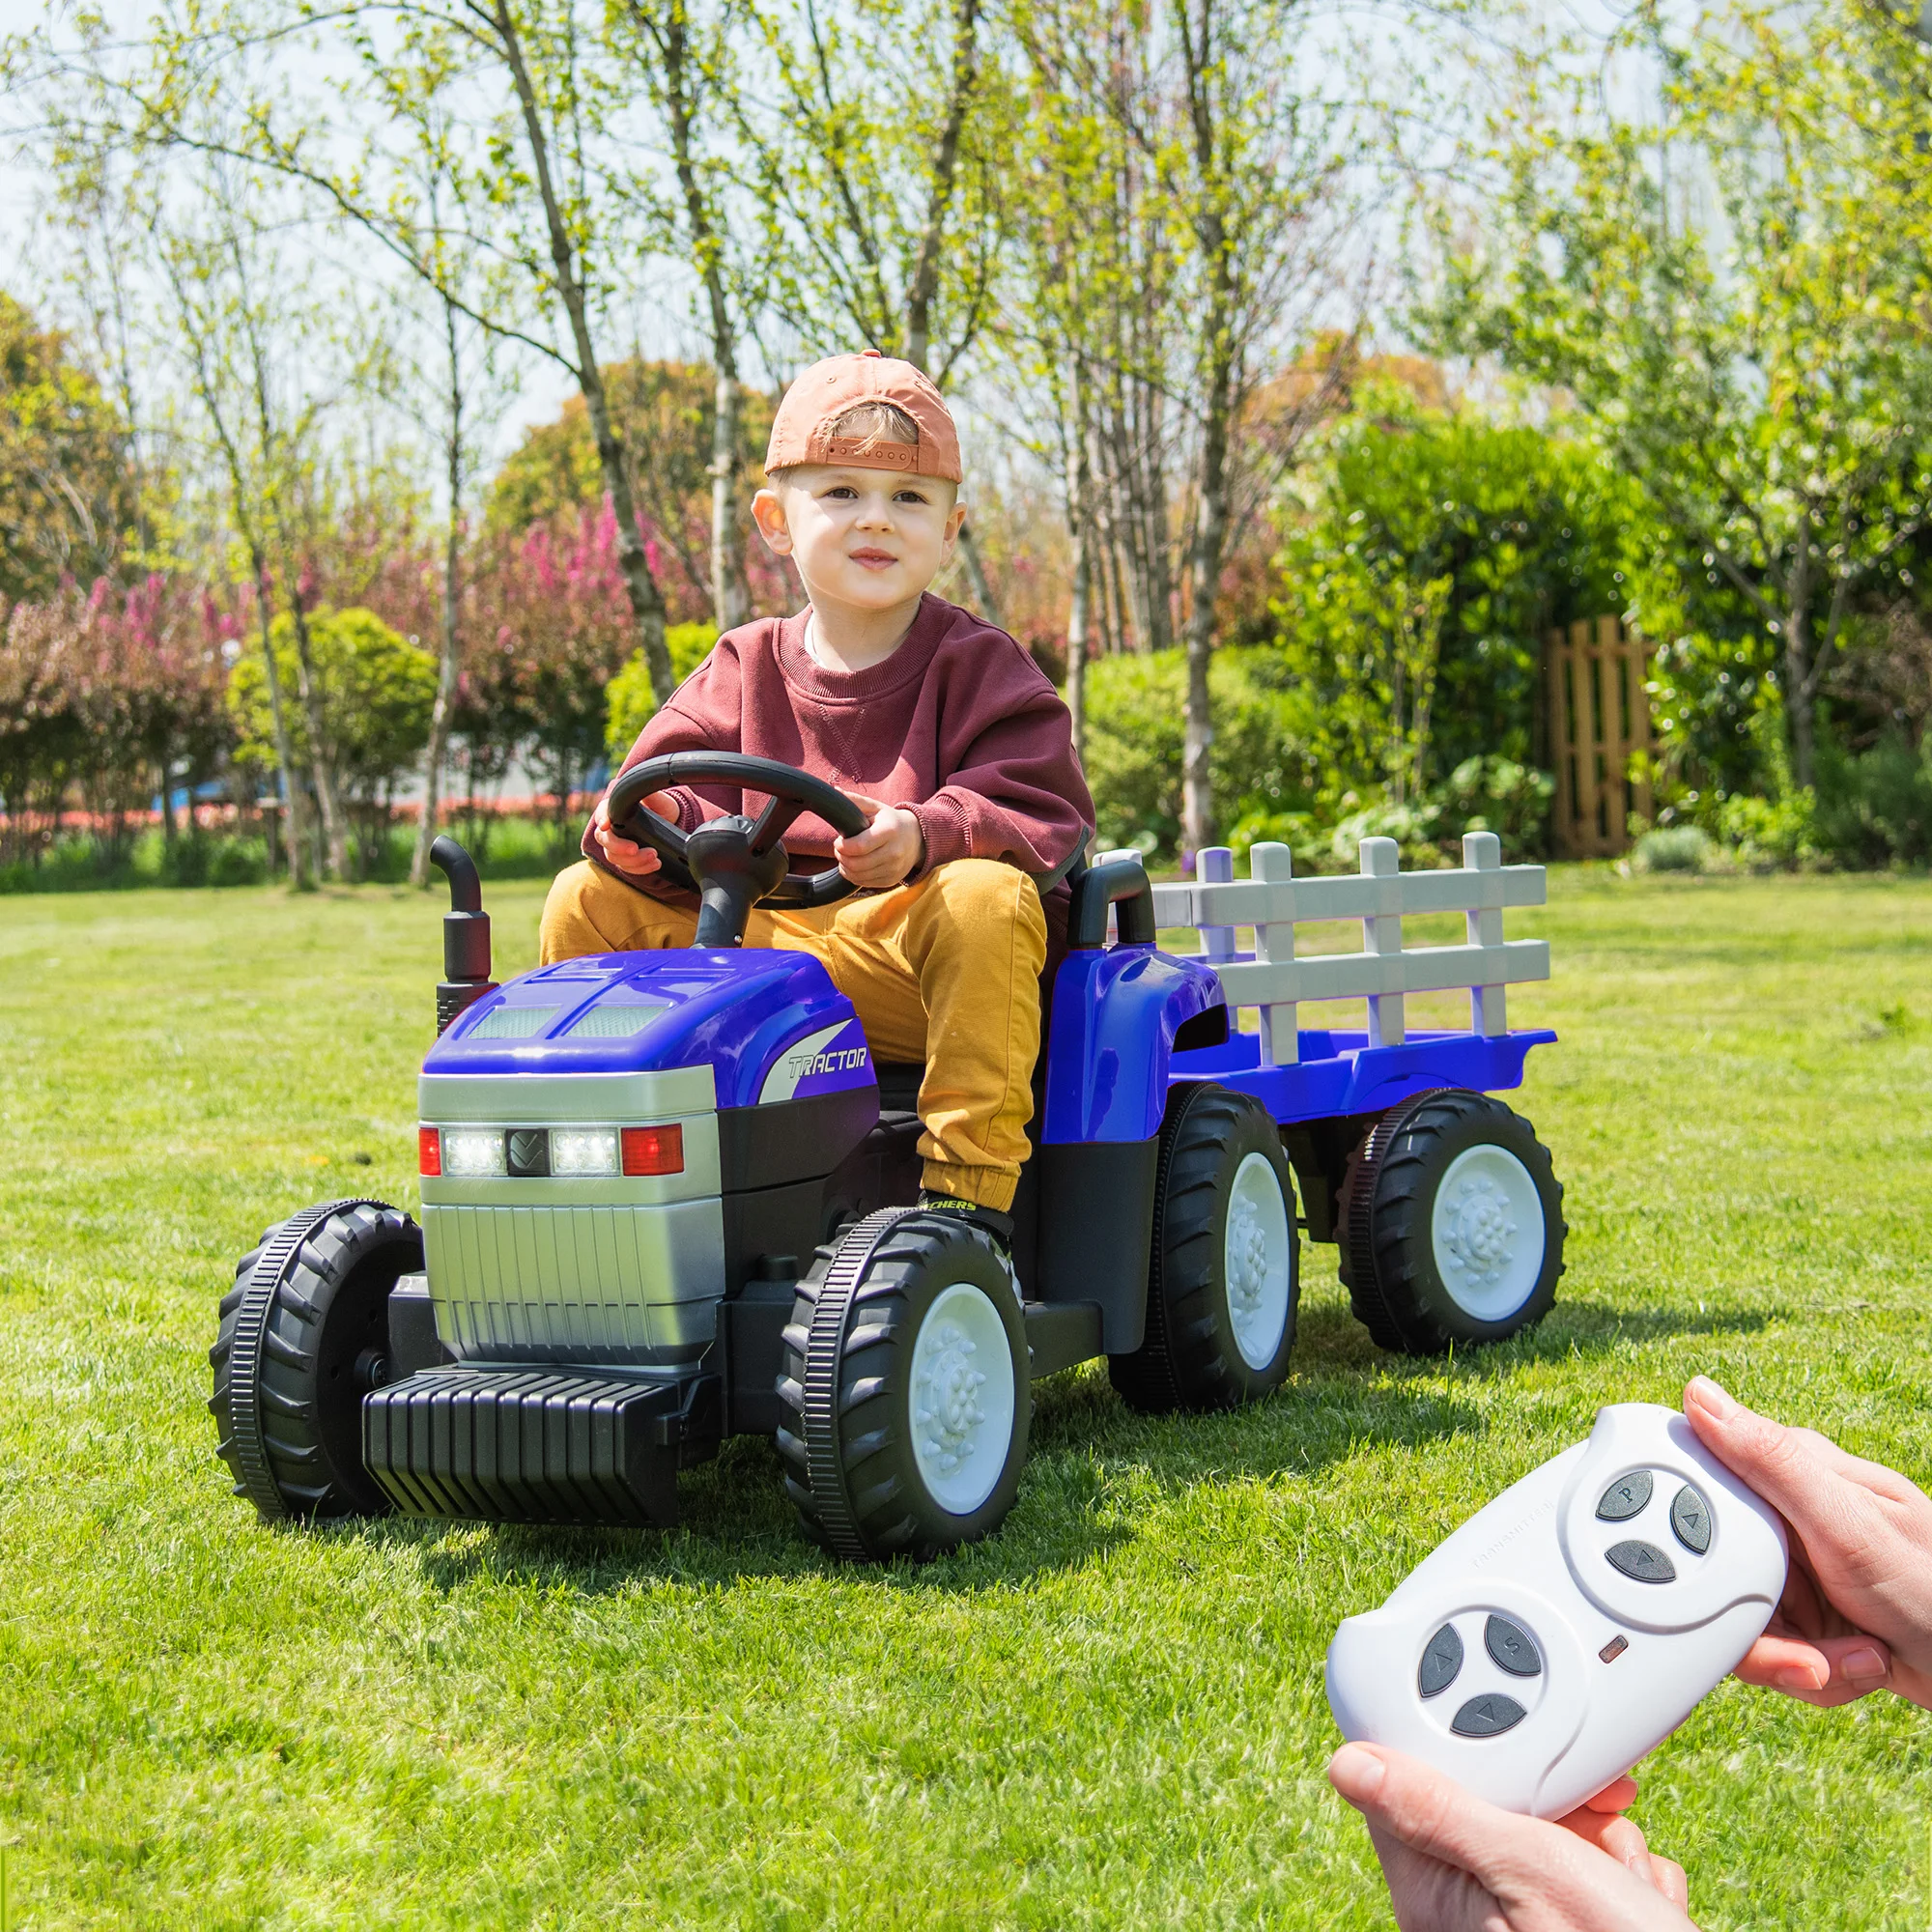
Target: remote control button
[
  {"x": 1511, "y": 1648},
  {"x": 1690, "y": 1519},
  {"x": 1643, "y": 1562},
  {"x": 1625, "y": 1497},
  {"x": 1488, "y": 1716},
  {"x": 1441, "y": 1662}
]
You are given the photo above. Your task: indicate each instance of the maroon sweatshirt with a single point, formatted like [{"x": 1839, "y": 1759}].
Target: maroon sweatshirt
[{"x": 960, "y": 726}]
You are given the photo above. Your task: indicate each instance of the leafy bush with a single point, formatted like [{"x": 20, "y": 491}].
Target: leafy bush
[
  {"x": 1875, "y": 808},
  {"x": 1674, "y": 848},
  {"x": 1483, "y": 794},
  {"x": 629, "y": 705},
  {"x": 81, "y": 862},
  {"x": 378, "y": 690},
  {"x": 1763, "y": 833},
  {"x": 1134, "y": 726}
]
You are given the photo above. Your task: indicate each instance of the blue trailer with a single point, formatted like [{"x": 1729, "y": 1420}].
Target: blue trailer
[{"x": 670, "y": 1197}]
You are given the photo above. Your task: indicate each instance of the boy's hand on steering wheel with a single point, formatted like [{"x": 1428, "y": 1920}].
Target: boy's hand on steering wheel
[
  {"x": 626, "y": 855},
  {"x": 889, "y": 849}
]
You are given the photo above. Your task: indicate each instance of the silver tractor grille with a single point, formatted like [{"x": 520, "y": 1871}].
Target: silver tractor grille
[
  {"x": 575, "y": 1284},
  {"x": 529, "y": 1265}
]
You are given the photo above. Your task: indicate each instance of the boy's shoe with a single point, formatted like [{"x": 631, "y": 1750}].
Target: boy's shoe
[{"x": 998, "y": 1227}]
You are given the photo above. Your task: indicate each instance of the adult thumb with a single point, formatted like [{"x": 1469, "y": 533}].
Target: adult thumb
[{"x": 1773, "y": 1460}]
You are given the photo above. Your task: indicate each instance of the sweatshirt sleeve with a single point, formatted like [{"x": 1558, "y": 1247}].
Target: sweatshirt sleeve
[
  {"x": 1014, "y": 790},
  {"x": 702, "y": 716}
]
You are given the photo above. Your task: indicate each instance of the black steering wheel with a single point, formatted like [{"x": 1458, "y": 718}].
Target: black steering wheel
[{"x": 735, "y": 863}]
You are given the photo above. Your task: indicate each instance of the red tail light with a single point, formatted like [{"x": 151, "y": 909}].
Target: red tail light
[
  {"x": 429, "y": 1150},
  {"x": 654, "y": 1149}
]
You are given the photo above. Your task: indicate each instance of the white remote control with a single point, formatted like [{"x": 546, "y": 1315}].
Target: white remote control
[{"x": 1570, "y": 1625}]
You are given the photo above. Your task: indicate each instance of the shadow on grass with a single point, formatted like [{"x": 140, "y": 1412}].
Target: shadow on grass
[{"x": 1088, "y": 1448}]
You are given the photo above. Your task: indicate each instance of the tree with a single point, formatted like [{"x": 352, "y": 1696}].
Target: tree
[
  {"x": 1159, "y": 327},
  {"x": 226, "y": 365},
  {"x": 1765, "y": 370},
  {"x": 668, "y": 415},
  {"x": 377, "y": 693},
  {"x": 687, "y": 61},
  {"x": 1418, "y": 579},
  {"x": 69, "y": 494},
  {"x": 524, "y": 171}
]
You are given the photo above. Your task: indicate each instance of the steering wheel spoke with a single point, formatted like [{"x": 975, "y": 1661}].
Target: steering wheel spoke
[{"x": 774, "y": 822}]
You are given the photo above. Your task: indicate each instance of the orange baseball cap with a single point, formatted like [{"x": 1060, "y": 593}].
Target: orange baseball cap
[{"x": 802, "y": 428}]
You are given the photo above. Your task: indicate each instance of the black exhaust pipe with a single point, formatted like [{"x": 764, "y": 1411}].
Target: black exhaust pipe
[{"x": 466, "y": 934}]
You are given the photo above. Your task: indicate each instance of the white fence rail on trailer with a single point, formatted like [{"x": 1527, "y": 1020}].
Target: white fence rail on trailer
[{"x": 1274, "y": 902}]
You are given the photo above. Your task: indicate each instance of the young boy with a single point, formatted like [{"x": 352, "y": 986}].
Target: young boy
[{"x": 938, "y": 726}]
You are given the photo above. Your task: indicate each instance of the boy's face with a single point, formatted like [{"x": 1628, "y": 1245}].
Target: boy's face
[{"x": 866, "y": 539}]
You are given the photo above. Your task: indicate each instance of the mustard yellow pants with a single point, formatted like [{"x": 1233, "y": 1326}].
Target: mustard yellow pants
[{"x": 945, "y": 971}]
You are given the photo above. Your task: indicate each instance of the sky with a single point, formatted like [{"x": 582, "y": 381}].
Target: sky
[{"x": 660, "y": 325}]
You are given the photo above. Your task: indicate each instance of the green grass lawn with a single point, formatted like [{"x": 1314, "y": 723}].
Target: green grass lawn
[{"x": 1110, "y": 1714}]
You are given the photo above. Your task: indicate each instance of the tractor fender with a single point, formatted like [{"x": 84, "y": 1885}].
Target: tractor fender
[{"x": 1116, "y": 1017}]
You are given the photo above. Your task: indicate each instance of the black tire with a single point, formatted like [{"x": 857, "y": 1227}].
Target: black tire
[
  {"x": 866, "y": 1486},
  {"x": 304, "y": 1335},
  {"x": 1196, "y": 1355},
  {"x": 1419, "y": 1287}
]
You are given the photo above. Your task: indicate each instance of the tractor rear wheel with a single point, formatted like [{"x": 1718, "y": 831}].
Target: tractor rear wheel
[
  {"x": 1224, "y": 1278},
  {"x": 304, "y": 1336},
  {"x": 908, "y": 1382},
  {"x": 1453, "y": 1225}
]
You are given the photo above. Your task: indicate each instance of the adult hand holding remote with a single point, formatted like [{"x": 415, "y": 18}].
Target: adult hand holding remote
[
  {"x": 1856, "y": 1610},
  {"x": 1455, "y": 1863}
]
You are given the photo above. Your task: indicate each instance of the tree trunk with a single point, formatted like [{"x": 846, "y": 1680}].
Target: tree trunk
[
  {"x": 450, "y": 670},
  {"x": 976, "y": 575},
  {"x": 295, "y": 841},
  {"x": 308, "y": 687},
  {"x": 730, "y": 593},
  {"x": 1077, "y": 527},
  {"x": 1798, "y": 682},
  {"x": 924, "y": 282},
  {"x": 1218, "y": 359},
  {"x": 641, "y": 588},
  {"x": 1799, "y": 706},
  {"x": 168, "y": 799}
]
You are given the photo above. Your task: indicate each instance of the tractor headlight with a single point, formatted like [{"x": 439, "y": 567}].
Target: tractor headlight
[
  {"x": 583, "y": 1150},
  {"x": 473, "y": 1152}
]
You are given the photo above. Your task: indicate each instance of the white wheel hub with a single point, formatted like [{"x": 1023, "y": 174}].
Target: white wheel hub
[
  {"x": 1487, "y": 1232},
  {"x": 1257, "y": 1259},
  {"x": 962, "y": 1397}
]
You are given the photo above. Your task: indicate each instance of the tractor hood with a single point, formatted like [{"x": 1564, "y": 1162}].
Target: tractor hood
[{"x": 770, "y": 1025}]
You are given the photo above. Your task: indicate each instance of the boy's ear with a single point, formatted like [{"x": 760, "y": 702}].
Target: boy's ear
[
  {"x": 956, "y": 519},
  {"x": 768, "y": 513}
]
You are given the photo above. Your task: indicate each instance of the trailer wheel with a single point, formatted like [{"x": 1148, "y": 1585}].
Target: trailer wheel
[
  {"x": 304, "y": 1336},
  {"x": 908, "y": 1383},
  {"x": 1224, "y": 1275},
  {"x": 1453, "y": 1225}
]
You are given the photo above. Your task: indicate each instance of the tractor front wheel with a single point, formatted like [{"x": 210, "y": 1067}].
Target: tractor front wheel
[
  {"x": 908, "y": 1382},
  {"x": 304, "y": 1336}
]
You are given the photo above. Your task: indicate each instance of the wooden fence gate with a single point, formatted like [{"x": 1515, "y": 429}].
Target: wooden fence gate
[{"x": 1599, "y": 716}]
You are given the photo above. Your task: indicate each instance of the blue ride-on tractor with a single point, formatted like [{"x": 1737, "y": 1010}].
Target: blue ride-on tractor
[{"x": 670, "y": 1197}]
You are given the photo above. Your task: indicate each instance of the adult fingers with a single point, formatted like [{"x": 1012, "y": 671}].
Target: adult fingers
[
  {"x": 1781, "y": 1464},
  {"x": 1672, "y": 1881},
  {"x": 1429, "y": 1812},
  {"x": 1827, "y": 1672},
  {"x": 1619, "y": 1795}
]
